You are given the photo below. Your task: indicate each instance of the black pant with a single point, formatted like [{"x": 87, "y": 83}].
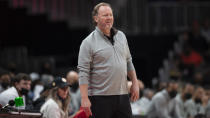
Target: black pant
[{"x": 113, "y": 106}]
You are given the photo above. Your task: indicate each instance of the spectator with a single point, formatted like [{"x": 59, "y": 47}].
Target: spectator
[
  {"x": 20, "y": 88},
  {"x": 194, "y": 106},
  {"x": 208, "y": 110},
  {"x": 141, "y": 106},
  {"x": 5, "y": 80},
  {"x": 37, "y": 86},
  {"x": 190, "y": 57},
  {"x": 57, "y": 104},
  {"x": 72, "y": 78},
  {"x": 186, "y": 94},
  {"x": 196, "y": 40},
  {"x": 190, "y": 60},
  {"x": 43, "y": 96},
  {"x": 163, "y": 104}
]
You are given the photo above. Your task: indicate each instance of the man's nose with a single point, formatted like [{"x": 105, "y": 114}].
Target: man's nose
[
  {"x": 109, "y": 17},
  {"x": 28, "y": 87}
]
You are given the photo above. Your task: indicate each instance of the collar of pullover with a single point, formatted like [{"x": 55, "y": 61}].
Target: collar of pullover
[{"x": 113, "y": 31}]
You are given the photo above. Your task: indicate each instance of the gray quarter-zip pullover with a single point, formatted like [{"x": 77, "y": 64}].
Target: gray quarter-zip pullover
[{"x": 104, "y": 66}]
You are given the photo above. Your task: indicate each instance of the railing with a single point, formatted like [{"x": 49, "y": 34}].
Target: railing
[
  {"x": 141, "y": 16},
  {"x": 174, "y": 17},
  {"x": 76, "y": 12},
  {"x": 131, "y": 16}
]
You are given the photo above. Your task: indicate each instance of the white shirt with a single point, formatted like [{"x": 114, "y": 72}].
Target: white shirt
[
  {"x": 181, "y": 109},
  {"x": 10, "y": 94},
  {"x": 208, "y": 110},
  {"x": 161, "y": 106},
  {"x": 50, "y": 109},
  {"x": 37, "y": 90},
  {"x": 141, "y": 106},
  {"x": 193, "y": 109}
]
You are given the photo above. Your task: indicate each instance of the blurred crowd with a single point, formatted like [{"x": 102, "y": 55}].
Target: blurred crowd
[
  {"x": 185, "y": 92},
  {"x": 40, "y": 91}
]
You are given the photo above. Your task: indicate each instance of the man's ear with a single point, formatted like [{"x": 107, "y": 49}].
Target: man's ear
[{"x": 95, "y": 18}]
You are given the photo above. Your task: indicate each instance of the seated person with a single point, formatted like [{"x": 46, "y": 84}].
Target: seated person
[
  {"x": 20, "y": 88},
  {"x": 57, "y": 104}
]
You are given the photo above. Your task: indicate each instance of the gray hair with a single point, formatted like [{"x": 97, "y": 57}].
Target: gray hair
[{"x": 96, "y": 8}]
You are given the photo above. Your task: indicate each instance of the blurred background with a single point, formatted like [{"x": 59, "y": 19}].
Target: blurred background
[{"x": 44, "y": 36}]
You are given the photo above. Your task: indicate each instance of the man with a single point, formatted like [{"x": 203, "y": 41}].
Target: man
[
  {"x": 141, "y": 106},
  {"x": 195, "y": 105},
  {"x": 72, "y": 78},
  {"x": 187, "y": 92},
  {"x": 20, "y": 88},
  {"x": 5, "y": 80},
  {"x": 163, "y": 104},
  {"x": 104, "y": 63}
]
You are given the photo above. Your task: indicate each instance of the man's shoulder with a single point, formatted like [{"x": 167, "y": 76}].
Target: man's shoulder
[
  {"x": 120, "y": 32},
  {"x": 120, "y": 35},
  {"x": 9, "y": 91},
  {"x": 7, "y": 95},
  {"x": 89, "y": 38},
  {"x": 159, "y": 96}
]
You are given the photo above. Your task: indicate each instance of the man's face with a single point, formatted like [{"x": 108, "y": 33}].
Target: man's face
[
  {"x": 172, "y": 89},
  {"x": 104, "y": 18},
  {"x": 189, "y": 89},
  {"x": 24, "y": 84},
  {"x": 199, "y": 92},
  {"x": 173, "y": 86},
  {"x": 5, "y": 80},
  {"x": 208, "y": 93}
]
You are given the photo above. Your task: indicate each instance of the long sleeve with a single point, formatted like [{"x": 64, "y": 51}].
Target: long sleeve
[
  {"x": 84, "y": 61},
  {"x": 190, "y": 108},
  {"x": 179, "y": 107},
  {"x": 130, "y": 65},
  {"x": 177, "y": 110},
  {"x": 161, "y": 107}
]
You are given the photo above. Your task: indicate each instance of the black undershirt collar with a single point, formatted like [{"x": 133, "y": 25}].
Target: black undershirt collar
[{"x": 111, "y": 37}]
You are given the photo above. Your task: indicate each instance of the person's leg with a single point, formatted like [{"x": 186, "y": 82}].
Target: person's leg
[
  {"x": 123, "y": 107},
  {"x": 102, "y": 106}
]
